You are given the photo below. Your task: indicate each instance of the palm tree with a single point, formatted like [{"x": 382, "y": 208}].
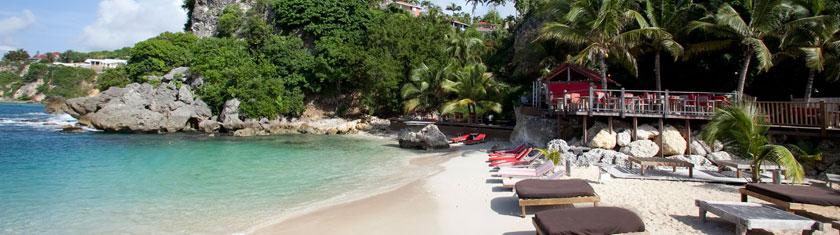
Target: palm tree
[
  {"x": 602, "y": 28},
  {"x": 453, "y": 8},
  {"x": 814, "y": 34},
  {"x": 671, "y": 16},
  {"x": 424, "y": 90},
  {"x": 472, "y": 86},
  {"x": 762, "y": 17},
  {"x": 464, "y": 47},
  {"x": 742, "y": 127}
]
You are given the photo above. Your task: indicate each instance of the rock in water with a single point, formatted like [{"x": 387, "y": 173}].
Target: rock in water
[
  {"x": 71, "y": 129},
  {"x": 672, "y": 141},
  {"x": 426, "y": 137},
  {"x": 139, "y": 108},
  {"x": 641, "y": 148},
  {"x": 605, "y": 139},
  {"x": 230, "y": 115},
  {"x": 54, "y": 105}
]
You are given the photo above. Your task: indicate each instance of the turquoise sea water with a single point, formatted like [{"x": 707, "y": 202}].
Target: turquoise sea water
[{"x": 99, "y": 183}]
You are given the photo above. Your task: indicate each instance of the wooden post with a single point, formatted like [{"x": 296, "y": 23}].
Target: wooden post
[
  {"x": 584, "y": 131},
  {"x": 591, "y": 101},
  {"x": 609, "y": 119},
  {"x": 661, "y": 130},
  {"x": 622, "y": 102},
  {"x": 688, "y": 132},
  {"x": 635, "y": 127},
  {"x": 565, "y": 102},
  {"x": 665, "y": 100},
  {"x": 824, "y": 121}
]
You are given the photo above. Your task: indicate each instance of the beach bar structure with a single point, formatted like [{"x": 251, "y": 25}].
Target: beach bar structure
[{"x": 573, "y": 91}]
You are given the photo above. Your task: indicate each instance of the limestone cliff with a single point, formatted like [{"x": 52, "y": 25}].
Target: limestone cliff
[{"x": 205, "y": 15}]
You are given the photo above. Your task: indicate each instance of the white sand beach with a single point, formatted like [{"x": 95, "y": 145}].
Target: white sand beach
[{"x": 464, "y": 199}]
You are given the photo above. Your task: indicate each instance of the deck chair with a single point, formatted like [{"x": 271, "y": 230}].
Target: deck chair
[
  {"x": 526, "y": 172},
  {"x": 517, "y": 157},
  {"x": 525, "y": 161},
  {"x": 460, "y": 138},
  {"x": 508, "y": 151},
  {"x": 509, "y": 183},
  {"x": 794, "y": 197},
  {"x": 478, "y": 139},
  {"x": 534, "y": 192},
  {"x": 589, "y": 220}
]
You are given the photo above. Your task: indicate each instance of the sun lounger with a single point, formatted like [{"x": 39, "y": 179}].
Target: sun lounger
[
  {"x": 794, "y": 197},
  {"x": 510, "y": 182},
  {"x": 517, "y": 157},
  {"x": 534, "y": 192},
  {"x": 517, "y": 163},
  {"x": 589, "y": 220},
  {"x": 508, "y": 151},
  {"x": 527, "y": 172},
  {"x": 460, "y": 138},
  {"x": 478, "y": 139}
]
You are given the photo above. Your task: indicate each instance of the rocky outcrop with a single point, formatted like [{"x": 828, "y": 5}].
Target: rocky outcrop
[
  {"x": 646, "y": 132},
  {"x": 54, "y": 104},
  {"x": 205, "y": 15},
  {"x": 672, "y": 141},
  {"x": 604, "y": 139},
  {"x": 28, "y": 90},
  {"x": 426, "y": 137},
  {"x": 697, "y": 148},
  {"x": 538, "y": 131},
  {"x": 229, "y": 118},
  {"x": 641, "y": 148},
  {"x": 602, "y": 156},
  {"x": 139, "y": 108}
]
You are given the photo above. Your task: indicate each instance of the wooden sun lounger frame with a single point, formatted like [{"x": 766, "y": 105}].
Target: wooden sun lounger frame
[
  {"x": 540, "y": 232},
  {"x": 662, "y": 162},
  {"x": 785, "y": 205},
  {"x": 557, "y": 201}
]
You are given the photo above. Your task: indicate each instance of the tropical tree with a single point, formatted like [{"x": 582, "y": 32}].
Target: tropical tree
[
  {"x": 424, "y": 90},
  {"x": 670, "y": 16},
  {"x": 746, "y": 29},
  {"x": 814, "y": 34},
  {"x": 603, "y": 29},
  {"x": 453, "y": 8},
  {"x": 742, "y": 127},
  {"x": 465, "y": 47},
  {"x": 473, "y": 86},
  {"x": 18, "y": 55}
]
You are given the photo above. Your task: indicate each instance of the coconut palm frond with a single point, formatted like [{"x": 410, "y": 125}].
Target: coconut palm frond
[
  {"x": 707, "y": 46},
  {"x": 762, "y": 53},
  {"x": 782, "y": 156},
  {"x": 813, "y": 58}
]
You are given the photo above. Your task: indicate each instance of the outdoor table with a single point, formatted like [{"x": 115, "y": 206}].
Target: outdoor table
[
  {"x": 604, "y": 168},
  {"x": 831, "y": 179},
  {"x": 748, "y": 216},
  {"x": 741, "y": 165},
  {"x": 645, "y": 162}
]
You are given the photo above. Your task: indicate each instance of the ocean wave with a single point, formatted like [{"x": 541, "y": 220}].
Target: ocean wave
[{"x": 53, "y": 122}]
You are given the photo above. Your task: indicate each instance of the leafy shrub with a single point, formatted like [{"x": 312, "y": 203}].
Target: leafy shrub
[
  {"x": 36, "y": 71},
  {"x": 112, "y": 77}
]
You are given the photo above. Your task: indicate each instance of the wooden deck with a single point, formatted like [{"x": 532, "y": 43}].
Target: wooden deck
[{"x": 819, "y": 116}]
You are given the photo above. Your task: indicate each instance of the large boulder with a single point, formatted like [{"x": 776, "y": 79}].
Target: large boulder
[
  {"x": 559, "y": 145},
  {"x": 719, "y": 156},
  {"x": 591, "y": 157},
  {"x": 641, "y": 148},
  {"x": 672, "y": 141},
  {"x": 613, "y": 157},
  {"x": 139, "y": 108},
  {"x": 537, "y": 130},
  {"x": 426, "y": 137},
  {"x": 623, "y": 138},
  {"x": 697, "y": 148},
  {"x": 178, "y": 73},
  {"x": 230, "y": 115},
  {"x": 604, "y": 139},
  {"x": 646, "y": 132}
]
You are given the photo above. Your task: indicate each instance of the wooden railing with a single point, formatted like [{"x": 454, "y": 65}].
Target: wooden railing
[
  {"x": 640, "y": 103},
  {"x": 815, "y": 114}
]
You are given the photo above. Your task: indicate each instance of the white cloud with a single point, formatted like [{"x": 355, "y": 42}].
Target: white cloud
[
  {"x": 125, "y": 22},
  {"x": 11, "y": 26}
]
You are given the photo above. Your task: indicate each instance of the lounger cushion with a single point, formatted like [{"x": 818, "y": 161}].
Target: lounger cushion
[
  {"x": 798, "y": 194},
  {"x": 541, "y": 189},
  {"x": 588, "y": 220}
]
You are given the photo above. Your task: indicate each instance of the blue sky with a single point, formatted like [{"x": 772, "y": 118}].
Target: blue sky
[{"x": 88, "y": 25}]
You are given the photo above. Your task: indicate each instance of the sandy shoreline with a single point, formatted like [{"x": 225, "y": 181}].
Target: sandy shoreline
[{"x": 463, "y": 198}]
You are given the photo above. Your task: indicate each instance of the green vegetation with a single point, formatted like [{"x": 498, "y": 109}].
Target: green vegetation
[
  {"x": 230, "y": 21},
  {"x": 112, "y": 77},
  {"x": 67, "y": 82},
  {"x": 160, "y": 54},
  {"x": 18, "y": 55},
  {"x": 36, "y": 71},
  {"x": 473, "y": 88},
  {"x": 742, "y": 128},
  {"x": 71, "y": 56}
]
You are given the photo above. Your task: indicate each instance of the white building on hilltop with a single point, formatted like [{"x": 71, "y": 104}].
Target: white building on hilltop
[{"x": 100, "y": 65}]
